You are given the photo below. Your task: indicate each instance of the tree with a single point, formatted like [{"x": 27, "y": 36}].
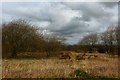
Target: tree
[
  {"x": 109, "y": 38},
  {"x": 90, "y": 39},
  {"x": 19, "y": 35},
  {"x": 53, "y": 44},
  {"x": 0, "y": 39},
  {"x": 118, "y": 37}
]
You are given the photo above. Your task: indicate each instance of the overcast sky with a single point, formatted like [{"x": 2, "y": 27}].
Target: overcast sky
[{"x": 73, "y": 20}]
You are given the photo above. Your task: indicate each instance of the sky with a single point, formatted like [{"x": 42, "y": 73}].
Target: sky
[{"x": 72, "y": 20}]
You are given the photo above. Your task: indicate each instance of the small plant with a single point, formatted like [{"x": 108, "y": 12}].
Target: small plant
[{"x": 81, "y": 74}]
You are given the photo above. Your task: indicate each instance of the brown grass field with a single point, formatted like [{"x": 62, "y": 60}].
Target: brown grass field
[{"x": 54, "y": 67}]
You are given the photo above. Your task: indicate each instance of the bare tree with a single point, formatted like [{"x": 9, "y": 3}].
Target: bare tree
[
  {"x": 19, "y": 35},
  {"x": 90, "y": 39},
  {"x": 53, "y": 44},
  {"x": 118, "y": 38},
  {"x": 0, "y": 39},
  {"x": 109, "y": 38}
]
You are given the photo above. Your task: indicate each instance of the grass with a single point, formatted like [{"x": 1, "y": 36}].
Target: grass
[
  {"x": 82, "y": 74},
  {"x": 56, "y": 68}
]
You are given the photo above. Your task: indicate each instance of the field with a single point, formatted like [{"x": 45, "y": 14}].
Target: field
[{"x": 54, "y": 67}]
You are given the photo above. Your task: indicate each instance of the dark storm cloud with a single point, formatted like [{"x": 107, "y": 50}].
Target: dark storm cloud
[{"x": 74, "y": 26}]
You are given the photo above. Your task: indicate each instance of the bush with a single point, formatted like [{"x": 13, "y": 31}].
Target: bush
[{"x": 81, "y": 74}]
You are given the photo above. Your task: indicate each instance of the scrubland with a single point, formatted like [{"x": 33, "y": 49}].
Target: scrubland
[{"x": 54, "y": 67}]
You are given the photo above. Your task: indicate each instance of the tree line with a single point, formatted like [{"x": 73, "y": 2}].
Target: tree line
[
  {"x": 19, "y": 36},
  {"x": 105, "y": 42}
]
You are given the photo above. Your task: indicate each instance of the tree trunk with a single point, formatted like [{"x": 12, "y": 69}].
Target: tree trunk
[{"x": 14, "y": 53}]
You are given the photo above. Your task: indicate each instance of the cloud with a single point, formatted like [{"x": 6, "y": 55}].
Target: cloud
[
  {"x": 109, "y": 4},
  {"x": 74, "y": 26},
  {"x": 89, "y": 10},
  {"x": 69, "y": 19}
]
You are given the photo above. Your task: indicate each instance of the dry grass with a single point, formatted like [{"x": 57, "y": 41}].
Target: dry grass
[{"x": 54, "y": 67}]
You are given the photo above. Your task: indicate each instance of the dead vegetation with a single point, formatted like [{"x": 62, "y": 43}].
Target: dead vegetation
[
  {"x": 55, "y": 67},
  {"x": 83, "y": 56},
  {"x": 65, "y": 56}
]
